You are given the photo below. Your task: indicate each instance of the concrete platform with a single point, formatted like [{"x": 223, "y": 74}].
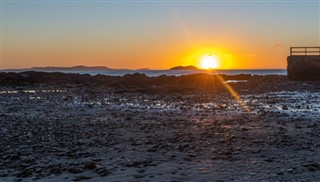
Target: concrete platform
[{"x": 303, "y": 67}]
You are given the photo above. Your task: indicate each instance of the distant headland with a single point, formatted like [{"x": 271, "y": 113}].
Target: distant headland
[
  {"x": 95, "y": 68},
  {"x": 73, "y": 68},
  {"x": 190, "y": 67}
]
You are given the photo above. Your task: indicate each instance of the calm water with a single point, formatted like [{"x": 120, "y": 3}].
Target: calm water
[{"x": 179, "y": 72}]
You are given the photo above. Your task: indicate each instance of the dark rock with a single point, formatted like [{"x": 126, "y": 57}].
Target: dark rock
[
  {"x": 135, "y": 144},
  {"x": 3, "y": 174},
  {"x": 15, "y": 157},
  {"x": 152, "y": 149},
  {"x": 139, "y": 163},
  {"x": 75, "y": 170},
  {"x": 25, "y": 173},
  {"x": 137, "y": 176},
  {"x": 133, "y": 164},
  {"x": 71, "y": 154},
  {"x": 56, "y": 170},
  {"x": 280, "y": 173},
  {"x": 79, "y": 178},
  {"x": 84, "y": 154},
  {"x": 312, "y": 166},
  {"x": 141, "y": 170},
  {"x": 187, "y": 159},
  {"x": 148, "y": 142},
  {"x": 90, "y": 165},
  {"x": 285, "y": 107},
  {"x": 102, "y": 171},
  {"x": 215, "y": 158},
  {"x": 269, "y": 160}
]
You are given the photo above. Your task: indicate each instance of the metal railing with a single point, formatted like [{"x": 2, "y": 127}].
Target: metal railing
[{"x": 304, "y": 51}]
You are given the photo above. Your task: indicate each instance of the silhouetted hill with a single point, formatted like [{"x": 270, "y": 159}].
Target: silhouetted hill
[
  {"x": 184, "y": 68},
  {"x": 73, "y": 68},
  {"x": 143, "y": 69},
  {"x": 91, "y": 68}
]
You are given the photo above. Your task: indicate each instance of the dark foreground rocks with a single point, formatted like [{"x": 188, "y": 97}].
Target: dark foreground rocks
[
  {"x": 155, "y": 85},
  {"x": 72, "y": 132}
]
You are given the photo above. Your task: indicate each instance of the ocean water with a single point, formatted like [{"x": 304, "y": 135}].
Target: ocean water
[{"x": 177, "y": 72}]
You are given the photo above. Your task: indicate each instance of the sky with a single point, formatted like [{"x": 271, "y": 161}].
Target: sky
[{"x": 155, "y": 34}]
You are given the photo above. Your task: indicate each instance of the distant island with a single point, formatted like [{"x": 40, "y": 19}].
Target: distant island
[
  {"x": 95, "y": 68},
  {"x": 190, "y": 67},
  {"x": 73, "y": 68}
]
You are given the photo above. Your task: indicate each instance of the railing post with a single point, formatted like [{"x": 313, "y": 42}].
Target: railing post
[{"x": 305, "y": 51}]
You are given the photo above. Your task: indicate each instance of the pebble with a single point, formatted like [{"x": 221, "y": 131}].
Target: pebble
[
  {"x": 285, "y": 107},
  {"x": 75, "y": 170},
  {"x": 81, "y": 177},
  {"x": 102, "y": 171},
  {"x": 141, "y": 170},
  {"x": 137, "y": 176},
  {"x": 25, "y": 173},
  {"x": 90, "y": 165},
  {"x": 313, "y": 166},
  {"x": 55, "y": 170}
]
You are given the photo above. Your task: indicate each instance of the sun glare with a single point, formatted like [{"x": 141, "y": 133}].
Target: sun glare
[{"x": 209, "y": 61}]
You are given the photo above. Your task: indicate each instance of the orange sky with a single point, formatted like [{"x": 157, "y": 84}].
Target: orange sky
[{"x": 159, "y": 35}]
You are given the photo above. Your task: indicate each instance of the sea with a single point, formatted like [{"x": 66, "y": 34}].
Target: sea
[{"x": 154, "y": 73}]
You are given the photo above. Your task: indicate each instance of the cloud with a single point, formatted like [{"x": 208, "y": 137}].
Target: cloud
[{"x": 277, "y": 45}]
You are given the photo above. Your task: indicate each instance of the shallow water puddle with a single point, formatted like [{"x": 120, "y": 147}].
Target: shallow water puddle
[
  {"x": 235, "y": 81},
  {"x": 31, "y": 91},
  {"x": 283, "y": 102},
  {"x": 286, "y": 102}
]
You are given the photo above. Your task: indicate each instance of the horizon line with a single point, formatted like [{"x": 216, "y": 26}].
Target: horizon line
[{"x": 137, "y": 69}]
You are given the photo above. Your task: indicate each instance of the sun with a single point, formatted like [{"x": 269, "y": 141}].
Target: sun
[{"x": 209, "y": 61}]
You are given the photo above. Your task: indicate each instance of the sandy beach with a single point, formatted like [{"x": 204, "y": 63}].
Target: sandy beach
[{"x": 139, "y": 128}]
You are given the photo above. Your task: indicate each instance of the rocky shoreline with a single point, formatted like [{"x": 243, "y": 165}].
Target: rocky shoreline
[{"x": 73, "y": 127}]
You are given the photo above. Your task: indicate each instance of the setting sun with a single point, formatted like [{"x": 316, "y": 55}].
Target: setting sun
[{"x": 209, "y": 61}]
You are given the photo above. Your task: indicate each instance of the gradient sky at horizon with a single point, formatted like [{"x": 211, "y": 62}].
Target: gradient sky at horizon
[{"x": 155, "y": 34}]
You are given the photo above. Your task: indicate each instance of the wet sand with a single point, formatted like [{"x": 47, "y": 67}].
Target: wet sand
[{"x": 74, "y": 132}]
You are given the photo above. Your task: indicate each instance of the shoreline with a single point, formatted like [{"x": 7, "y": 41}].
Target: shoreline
[{"x": 156, "y": 73}]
